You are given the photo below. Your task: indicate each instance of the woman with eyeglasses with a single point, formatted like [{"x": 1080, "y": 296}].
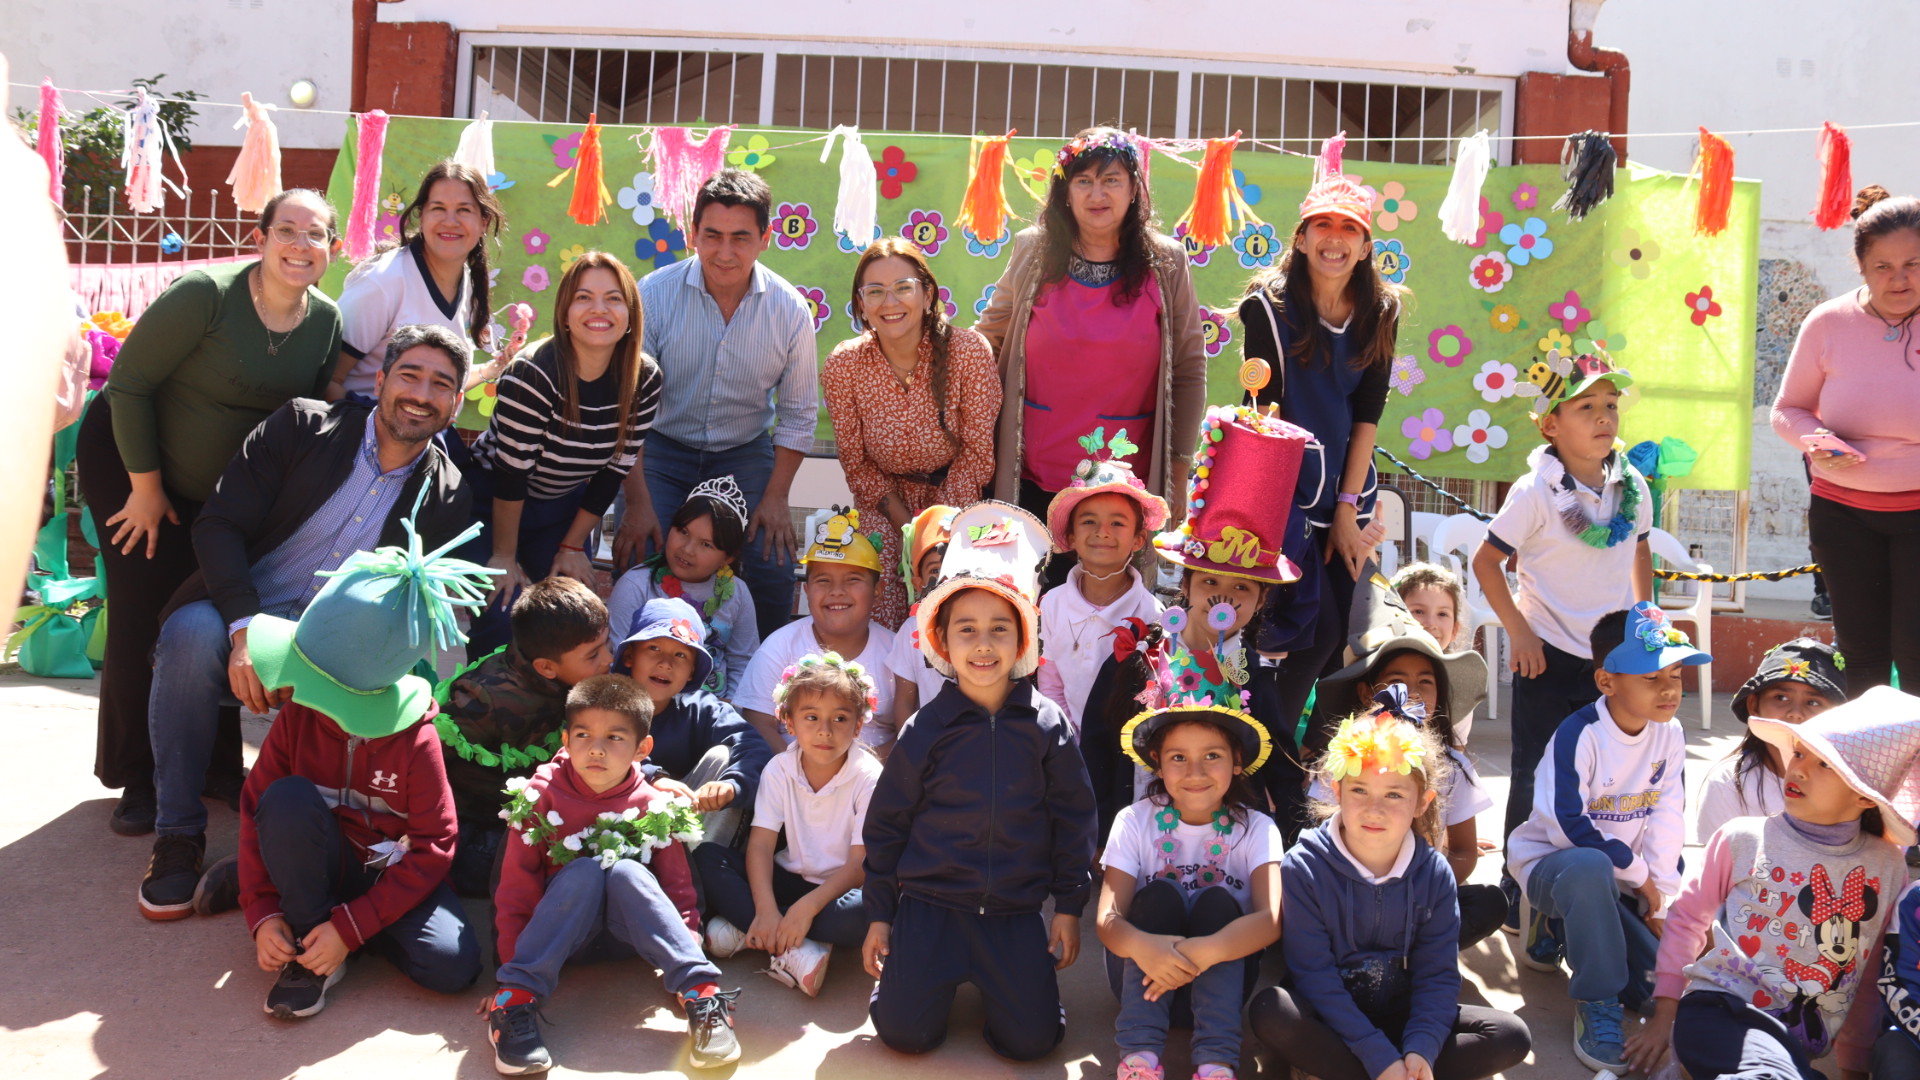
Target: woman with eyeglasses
[
  {"x": 208, "y": 360},
  {"x": 913, "y": 401}
]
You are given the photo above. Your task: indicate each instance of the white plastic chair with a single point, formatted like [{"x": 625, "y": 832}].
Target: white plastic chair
[
  {"x": 1420, "y": 548},
  {"x": 1454, "y": 543},
  {"x": 1697, "y": 609}
]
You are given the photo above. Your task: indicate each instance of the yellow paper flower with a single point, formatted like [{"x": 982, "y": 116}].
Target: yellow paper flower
[
  {"x": 1556, "y": 340},
  {"x": 568, "y": 256},
  {"x": 1375, "y": 743}
]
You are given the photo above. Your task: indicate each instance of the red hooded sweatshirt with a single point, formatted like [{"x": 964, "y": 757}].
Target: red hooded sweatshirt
[
  {"x": 524, "y": 874},
  {"x": 388, "y": 788}
]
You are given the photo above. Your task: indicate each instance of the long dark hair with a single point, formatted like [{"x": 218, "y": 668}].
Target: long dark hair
[
  {"x": 1060, "y": 230},
  {"x": 1376, "y": 308},
  {"x": 628, "y": 361},
  {"x": 491, "y": 218},
  {"x": 1241, "y": 795},
  {"x": 937, "y": 328}
]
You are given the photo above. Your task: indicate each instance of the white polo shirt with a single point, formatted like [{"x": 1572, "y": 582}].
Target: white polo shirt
[
  {"x": 386, "y": 292},
  {"x": 821, "y": 825},
  {"x": 907, "y": 661}
]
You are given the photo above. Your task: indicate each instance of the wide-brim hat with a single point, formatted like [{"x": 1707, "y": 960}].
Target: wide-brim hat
[
  {"x": 369, "y": 714},
  {"x": 998, "y": 547},
  {"x": 930, "y": 528},
  {"x": 1239, "y": 493},
  {"x": 1804, "y": 660},
  {"x": 1255, "y": 744},
  {"x": 669, "y": 617},
  {"x": 1382, "y": 626},
  {"x": 1873, "y": 742},
  {"x": 1103, "y": 474},
  {"x": 1652, "y": 642}
]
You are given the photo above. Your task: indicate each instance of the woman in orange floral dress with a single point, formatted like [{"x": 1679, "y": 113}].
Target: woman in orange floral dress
[{"x": 914, "y": 401}]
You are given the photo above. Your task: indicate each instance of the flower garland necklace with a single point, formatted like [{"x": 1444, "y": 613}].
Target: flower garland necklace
[
  {"x": 609, "y": 838},
  {"x": 1214, "y": 872},
  {"x": 723, "y": 586},
  {"x": 1592, "y": 533}
]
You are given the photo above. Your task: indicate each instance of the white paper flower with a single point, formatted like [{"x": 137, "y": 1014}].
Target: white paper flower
[
  {"x": 608, "y": 815},
  {"x": 526, "y": 838},
  {"x": 639, "y": 198},
  {"x": 554, "y": 818},
  {"x": 1495, "y": 381},
  {"x": 631, "y": 813},
  {"x": 515, "y": 783},
  {"x": 608, "y": 858},
  {"x": 1480, "y": 436}
]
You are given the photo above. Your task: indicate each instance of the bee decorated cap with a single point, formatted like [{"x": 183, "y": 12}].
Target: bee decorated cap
[
  {"x": 1804, "y": 660},
  {"x": 1873, "y": 742},
  {"x": 998, "y": 547},
  {"x": 1185, "y": 686},
  {"x": 1103, "y": 472},
  {"x": 838, "y": 539},
  {"x": 1652, "y": 643},
  {"x": 1380, "y": 740},
  {"x": 1238, "y": 496},
  {"x": 1557, "y": 378}
]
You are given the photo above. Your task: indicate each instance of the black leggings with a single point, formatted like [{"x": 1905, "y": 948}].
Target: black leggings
[
  {"x": 1159, "y": 907},
  {"x": 1484, "y": 1041},
  {"x": 1482, "y": 909},
  {"x": 1871, "y": 559}
]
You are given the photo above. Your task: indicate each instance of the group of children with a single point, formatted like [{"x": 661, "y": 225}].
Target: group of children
[{"x": 948, "y": 800}]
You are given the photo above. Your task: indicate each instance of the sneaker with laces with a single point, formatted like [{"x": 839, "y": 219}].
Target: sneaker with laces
[
  {"x": 1540, "y": 948},
  {"x": 173, "y": 873},
  {"x": 710, "y": 1027},
  {"x": 219, "y": 888},
  {"x": 299, "y": 993},
  {"x": 1597, "y": 1035},
  {"x": 133, "y": 814},
  {"x": 723, "y": 938},
  {"x": 1140, "y": 1066},
  {"x": 514, "y": 1025},
  {"x": 1511, "y": 924},
  {"x": 803, "y": 967}
]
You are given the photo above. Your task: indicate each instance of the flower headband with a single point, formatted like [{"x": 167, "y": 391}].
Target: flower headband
[
  {"x": 1382, "y": 740},
  {"x": 855, "y": 671},
  {"x": 1113, "y": 142}
]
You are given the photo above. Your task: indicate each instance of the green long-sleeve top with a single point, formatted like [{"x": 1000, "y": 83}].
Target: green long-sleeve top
[{"x": 194, "y": 376}]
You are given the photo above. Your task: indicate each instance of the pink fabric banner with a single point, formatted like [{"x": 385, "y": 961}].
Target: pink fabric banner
[{"x": 129, "y": 287}]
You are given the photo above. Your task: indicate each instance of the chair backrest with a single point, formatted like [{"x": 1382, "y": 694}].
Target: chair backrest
[
  {"x": 1391, "y": 511},
  {"x": 1455, "y": 539},
  {"x": 1421, "y": 531},
  {"x": 1669, "y": 548}
]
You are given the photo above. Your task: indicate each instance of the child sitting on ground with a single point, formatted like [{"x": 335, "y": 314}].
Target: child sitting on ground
[
  {"x": 1602, "y": 847},
  {"x": 914, "y": 679},
  {"x": 502, "y": 716},
  {"x": 600, "y": 873},
  {"x": 1371, "y": 929},
  {"x": 798, "y": 901},
  {"x": 1796, "y": 682},
  {"x": 1438, "y": 600},
  {"x": 981, "y": 814},
  {"x": 704, "y": 540}
]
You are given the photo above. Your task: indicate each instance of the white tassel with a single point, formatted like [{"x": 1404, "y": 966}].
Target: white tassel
[
  {"x": 856, "y": 211},
  {"x": 143, "y": 135},
  {"x": 1460, "y": 212},
  {"x": 476, "y": 147}
]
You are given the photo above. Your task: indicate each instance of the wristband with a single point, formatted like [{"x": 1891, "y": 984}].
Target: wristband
[
  {"x": 1350, "y": 500},
  {"x": 570, "y": 547}
]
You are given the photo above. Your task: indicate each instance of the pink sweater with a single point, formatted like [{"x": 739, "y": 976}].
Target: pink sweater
[{"x": 1844, "y": 376}]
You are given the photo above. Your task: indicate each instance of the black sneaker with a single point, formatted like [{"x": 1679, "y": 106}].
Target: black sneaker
[
  {"x": 1822, "y": 607},
  {"x": 133, "y": 814},
  {"x": 219, "y": 888},
  {"x": 299, "y": 993},
  {"x": 172, "y": 875},
  {"x": 514, "y": 1026},
  {"x": 710, "y": 1026}
]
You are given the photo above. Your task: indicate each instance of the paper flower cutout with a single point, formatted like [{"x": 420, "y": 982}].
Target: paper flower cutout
[
  {"x": 1491, "y": 222},
  {"x": 1391, "y": 259},
  {"x": 1526, "y": 241},
  {"x": 1555, "y": 340},
  {"x": 793, "y": 226},
  {"x": 1391, "y": 206},
  {"x": 1255, "y": 245},
  {"x": 1495, "y": 381},
  {"x": 535, "y": 242},
  {"x": 946, "y": 301},
  {"x": 1249, "y": 193},
  {"x": 534, "y": 279},
  {"x": 1596, "y": 336},
  {"x": 171, "y": 243},
  {"x": 894, "y": 171},
  {"x": 986, "y": 298},
  {"x": 638, "y": 197},
  {"x": 1526, "y": 197},
  {"x": 1449, "y": 345},
  {"x": 1569, "y": 312},
  {"x": 1406, "y": 374},
  {"x": 847, "y": 246},
  {"x": 926, "y": 229},
  {"x": 1427, "y": 434},
  {"x": 386, "y": 227},
  {"x": 571, "y": 255},
  {"x": 1635, "y": 252},
  {"x": 660, "y": 243},
  {"x": 817, "y": 302},
  {"x": 1490, "y": 272},
  {"x": 752, "y": 157},
  {"x": 1702, "y": 306},
  {"x": 498, "y": 182},
  {"x": 1220, "y": 617},
  {"x": 565, "y": 148},
  {"x": 1214, "y": 331},
  {"x": 484, "y": 397},
  {"x": 1035, "y": 173},
  {"x": 1480, "y": 435},
  {"x": 1504, "y": 318},
  {"x": 1197, "y": 253},
  {"x": 987, "y": 249}
]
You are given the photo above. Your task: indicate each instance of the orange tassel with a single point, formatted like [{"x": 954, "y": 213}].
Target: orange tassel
[
  {"x": 1216, "y": 201},
  {"x": 588, "y": 205},
  {"x": 1836, "y": 178},
  {"x": 1715, "y": 169},
  {"x": 984, "y": 208}
]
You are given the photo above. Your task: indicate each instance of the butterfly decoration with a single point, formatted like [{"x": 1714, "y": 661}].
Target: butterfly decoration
[
  {"x": 994, "y": 534},
  {"x": 1101, "y": 448}
]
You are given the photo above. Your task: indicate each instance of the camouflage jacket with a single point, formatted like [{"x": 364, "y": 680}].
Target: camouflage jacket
[{"x": 499, "y": 718}]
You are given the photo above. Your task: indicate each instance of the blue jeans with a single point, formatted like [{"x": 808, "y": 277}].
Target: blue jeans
[
  {"x": 674, "y": 469},
  {"x": 589, "y": 913},
  {"x": 1609, "y": 948},
  {"x": 543, "y": 525},
  {"x": 314, "y": 869},
  {"x": 1214, "y": 996},
  {"x": 183, "y": 713}
]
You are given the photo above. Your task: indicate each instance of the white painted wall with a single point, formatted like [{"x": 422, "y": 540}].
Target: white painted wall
[{"x": 218, "y": 47}]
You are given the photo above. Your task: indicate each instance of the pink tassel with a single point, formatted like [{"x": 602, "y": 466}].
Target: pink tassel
[
  {"x": 680, "y": 165},
  {"x": 366, "y": 183},
  {"x": 255, "y": 178},
  {"x": 51, "y": 152}
]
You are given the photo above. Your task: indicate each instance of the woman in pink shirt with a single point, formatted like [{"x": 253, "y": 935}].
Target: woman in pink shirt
[{"x": 1855, "y": 375}]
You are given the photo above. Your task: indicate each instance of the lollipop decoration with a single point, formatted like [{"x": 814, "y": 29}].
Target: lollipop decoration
[
  {"x": 1174, "y": 619},
  {"x": 1255, "y": 374}
]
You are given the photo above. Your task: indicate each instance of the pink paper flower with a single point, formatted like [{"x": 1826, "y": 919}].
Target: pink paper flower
[
  {"x": 1427, "y": 434},
  {"x": 1449, "y": 345},
  {"x": 793, "y": 226},
  {"x": 817, "y": 301},
  {"x": 1491, "y": 222},
  {"x": 1571, "y": 315},
  {"x": 536, "y": 242},
  {"x": 926, "y": 229},
  {"x": 535, "y": 279},
  {"x": 1214, "y": 331},
  {"x": 1526, "y": 197}
]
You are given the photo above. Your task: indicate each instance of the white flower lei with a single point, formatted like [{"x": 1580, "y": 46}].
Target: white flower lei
[{"x": 609, "y": 838}]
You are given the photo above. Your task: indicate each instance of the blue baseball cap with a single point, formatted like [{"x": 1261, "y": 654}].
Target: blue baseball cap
[
  {"x": 670, "y": 617},
  {"x": 1652, "y": 642}
]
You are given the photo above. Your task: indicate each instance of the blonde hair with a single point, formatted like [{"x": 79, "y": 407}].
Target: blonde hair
[
  {"x": 1435, "y": 772},
  {"x": 1426, "y": 575}
]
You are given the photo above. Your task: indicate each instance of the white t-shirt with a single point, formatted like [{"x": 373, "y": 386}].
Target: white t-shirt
[
  {"x": 907, "y": 661},
  {"x": 795, "y": 640},
  {"x": 1132, "y": 846},
  {"x": 821, "y": 825},
  {"x": 1074, "y": 635},
  {"x": 389, "y": 291},
  {"x": 1462, "y": 801},
  {"x": 1720, "y": 801}
]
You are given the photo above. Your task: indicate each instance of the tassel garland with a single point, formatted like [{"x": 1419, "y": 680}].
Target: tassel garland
[
  {"x": 476, "y": 147},
  {"x": 1836, "y": 178},
  {"x": 1460, "y": 211},
  {"x": 590, "y": 198},
  {"x": 984, "y": 208},
  {"x": 143, "y": 136},
  {"x": 255, "y": 177},
  {"x": 1586, "y": 164},
  {"x": 1714, "y": 167},
  {"x": 51, "y": 151},
  {"x": 1216, "y": 199},
  {"x": 366, "y": 183},
  {"x": 855, "y": 212},
  {"x": 680, "y": 165},
  {"x": 1143, "y": 147}
]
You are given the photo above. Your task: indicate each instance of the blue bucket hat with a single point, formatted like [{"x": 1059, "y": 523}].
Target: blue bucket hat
[
  {"x": 670, "y": 617},
  {"x": 1652, "y": 643}
]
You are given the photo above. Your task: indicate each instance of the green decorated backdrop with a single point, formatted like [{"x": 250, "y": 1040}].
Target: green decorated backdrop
[{"x": 1674, "y": 309}]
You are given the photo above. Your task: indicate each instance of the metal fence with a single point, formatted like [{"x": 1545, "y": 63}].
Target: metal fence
[{"x": 198, "y": 225}]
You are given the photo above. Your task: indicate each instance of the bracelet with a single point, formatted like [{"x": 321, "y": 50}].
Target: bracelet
[
  {"x": 570, "y": 547},
  {"x": 1350, "y": 500}
]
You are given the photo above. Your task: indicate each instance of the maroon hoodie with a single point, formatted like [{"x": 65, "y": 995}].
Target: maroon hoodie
[{"x": 388, "y": 788}]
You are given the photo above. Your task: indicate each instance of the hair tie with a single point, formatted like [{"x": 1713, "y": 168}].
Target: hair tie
[{"x": 1394, "y": 699}]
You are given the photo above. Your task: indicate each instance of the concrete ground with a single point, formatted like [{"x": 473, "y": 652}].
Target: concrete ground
[{"x": 90, "y": 988}]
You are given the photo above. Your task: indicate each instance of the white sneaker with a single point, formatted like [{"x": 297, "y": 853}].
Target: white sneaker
[
  {"x": 723, "y": 938},
  {"x": 803, "y": 967}
]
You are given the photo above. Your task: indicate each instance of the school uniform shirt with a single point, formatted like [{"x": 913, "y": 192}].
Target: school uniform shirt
[
  {"x": 386, "y": 292},
  {"x": 1076, "y": 637},
  {"x": 1462, "y": 800},
  {"x": 1566, "y": 584},
  {"x": 1900, "y": 975},
  {"x": 1725, "y": 795},
  {"x": 907, "y": 661},
  {"x": 696, "y": 721},
  {"x": 1602, "y": 788},
  {"x": 821, "y": 826},
  {"x": 788, "y": 644},
  {"x": 1134, "y": 848},
  {"x": 733, "y": 632}
]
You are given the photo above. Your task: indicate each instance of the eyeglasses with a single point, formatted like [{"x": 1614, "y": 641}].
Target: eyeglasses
[
  {"x": 903, "y": 290},
  {"x": 290, "y": 235}
]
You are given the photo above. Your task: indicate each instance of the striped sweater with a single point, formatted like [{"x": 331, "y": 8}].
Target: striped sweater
[{"x": 534, "y": 452}]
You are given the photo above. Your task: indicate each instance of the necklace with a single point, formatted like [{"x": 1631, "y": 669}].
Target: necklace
[
  {"x": 1592, "y": 533},
  {"x": 260, "y": 309},
  {"x": 1214, "y": 872},
  {"x": 1896, "y": 328}
]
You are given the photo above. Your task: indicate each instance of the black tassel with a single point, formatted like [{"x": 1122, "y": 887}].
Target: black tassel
[{"x": 1586, "y": 164}]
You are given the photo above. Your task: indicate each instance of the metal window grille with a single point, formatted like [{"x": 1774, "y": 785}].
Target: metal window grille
[
  {"x": 622, "y": 86},
  {"x": 1717, "y": 522},
  {"x": 198, "y": 225}
]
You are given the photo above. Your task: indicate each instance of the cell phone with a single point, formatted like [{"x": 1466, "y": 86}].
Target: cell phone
[{"x": 1825, "y": 442}]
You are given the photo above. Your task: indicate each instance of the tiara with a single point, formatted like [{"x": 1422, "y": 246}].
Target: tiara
[
  {"x": 723, "y": 490},
  {"x": 854, "y": 670}
]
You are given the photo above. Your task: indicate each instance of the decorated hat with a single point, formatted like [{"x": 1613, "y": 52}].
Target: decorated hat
[
  {"x": 724, "y": 493},
  {"x": 1103, "y": 472},
  {"x": 1186, "y": 686},
  {"x": 1652, "y": 643},
  {"x": 1334, "y": 192},
  {"x": 929, "y": 529},
  {"x": 1557, "y": 378},
  {"x": 1873, "y": 742},
  {"x": 998, "y": 547},
  {"x": 1377, "y": 741},
  {"x": 1803, "y": 660},
  {"x": 1380, "y": 626},
  {"x": 1238, "y": 495},
  {"x": 352, "y": 652},
  {"x": 669, "y": 617},
  {"x": 838, "y": 539}
]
